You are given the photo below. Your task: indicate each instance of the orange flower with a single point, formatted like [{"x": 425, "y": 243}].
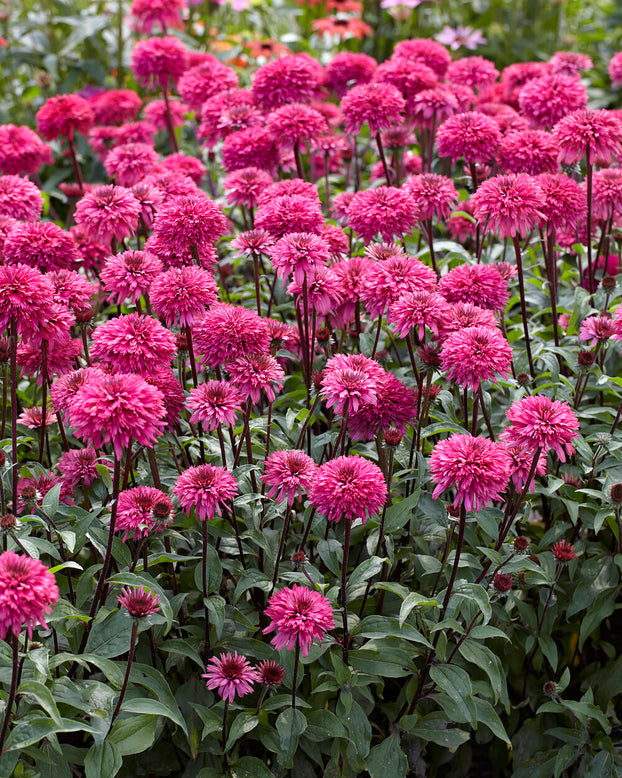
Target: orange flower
[
  {"x": 267, "y": 48},
  {"x": 344, "y": 28}
]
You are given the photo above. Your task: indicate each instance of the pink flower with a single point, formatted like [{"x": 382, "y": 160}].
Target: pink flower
[
  {"x": 570, "y": 63},
  {"x": 432, "y": 106},
  {"x": 386, "y": 280},
  {"x": 350, "y": 488},
  {"x": 214, "y": 403},
  {"x": 296, "y": 123},
  {"x": 349, "y": 380},
  {"x": 476, "y": 354},
  {"x": 564, "y": 551},
  {"x": 385, "y": 210},
  {"x": 130, "y": 163},
  {"x": 65, "y": 387},
  {"x": 299, "y": 253},
  {"x": 476, "y": 72},
  {"x": 115, "y": 106},
  {"x": 299, "y": 616},
  {"x": 615, "y": 69},
  {"x": 290, "y": 213},
  {"x": 290, "y": 79},
  {"x": 606, "y": 193},
  {"x": 43, "y": 245},
  {"x": 253, "y": 242},
  {"x": 80, "y": 466},
  {"x": 433, "y": 195},
  {"x": 149, "y": 198},
  {"x": 206, "y": 488},
  {"x": 22, "y": 151},
  {"x": 477, "y": 468},
  {"x": 254, "y": 373},
  {"x": 595, "y": 133},
  {"x": 416, "y": 311},
  {"x": 250, "y": 147},
  {"x": 108, "y": 212},
  {"x": 172, "y": 394},
  {"x": 20, "y": 199},
  {"x": 528, "y": 151},
  {"x": 116, "y": 409},
  {"x": 33, "y": 417},
  {"x": 509, "y": 204},
  {"x": 271, "y": 673},
  {"x": 394, "y": 407},
  {"x": 129, "y": 275},
  {"x": 139, "y": 602},
  {"x": 203, "y": 81},
  {"x": 26, "y": 295},
  {"x": 164, "y": 13},
  {"x": 466, "y": 314},
  {"x": 288, "y": 473},
  {"x": 482, "y": 285},
  {"x": 134, "y": 344},
  {"x": 548, "y": 99},
  {"x": 515, "y": 76},
  {"x": 64, "y": 115},
  {"x": 597, "y": 328},
  {"x": 410, "y": 78},
  {"x": 158, "y": 61},
  {"x": 380, "y": 105},
  {"x": 226, "y": 113},
  {"x": 135, "y": 511},
  {"x": 189, "y": 222},
  {"x": 564, "y": 200},
  {"x": 539, "y": 422},
  {"x": 184, "y": 292},
  {"x": 521, "y": 467},
  {"x": 245, "y": 185},
  {"x": 72, "y": 289},
  {"x": 230, "y": 674},
  {"x": 188, "y": 166},
  {"x": 347, "y": 67},
  {"x": 27, "y": 593},
  {"x": 226, "y": 331},
  {"x": 460, "y": 36},
  {"x": 424, "y": 50},
  {"x": 471, "y": 135}
]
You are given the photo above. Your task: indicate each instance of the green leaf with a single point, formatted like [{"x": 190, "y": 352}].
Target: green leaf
[
  {"x": 50, "y": 502},
  {"x": 216, "y": 607},
  {"x": 323, "y": 725},
  {"x": 290, "y": 724},
  {"x": 102, "y": 759},
  {"x": 251, "y": 767},
  {"x": 182, "y": 647},
  {"x": 243, "y": 723},
  {"x": 603, "y": 606},
  {"x": 331, "y": 553},
  {"x": 486, "y": 660},
  {"x": 400, "y": 512},
  {"x": 111, "y": 636},
  {"x": 433, "y": 728},
  {"x": 488, "y": 716},
  {"x": 411, "y": 601},
  {"x": 549, "y": 649},
  {"x": 385, "y": 626},
  {"x": 387, "y": 759},
  {"x": 367, "y": 569},
  {"x": 133, "y": 735},
  {"x": 252, "y": 579},
  {"x": 455, "y": 682},
  {"x": 32, "y": 729},
  {"x": 44, "y": 697},
  {"x": 358, "y": 726},
  {"x": 154, "y": 708},
  {"x": 564, "y": 758},
  {"x": 477, "y": 593}
]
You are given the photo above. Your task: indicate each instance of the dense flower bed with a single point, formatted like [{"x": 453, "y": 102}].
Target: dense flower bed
[{"x": 309, "y": 444}]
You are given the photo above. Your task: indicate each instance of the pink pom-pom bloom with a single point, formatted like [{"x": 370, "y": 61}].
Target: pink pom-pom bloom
[
  {"x": 79, "y": 466},
  {"x": 226, "y": 113},
  {"x": 117, "y": 409},
  {"x": 253, "y": 146},
  {"x": 115, "y": 106},
  {"x": 394, "y": 408},
  {"x": 245, "y": 185},
  {"x": 20, "y": 199},
  {"x": 511, "y": 205},
  {"x": 185, "y": 292},
  {"x": 433, "y": 195},
  {"x": 129, "y": 275},
  {"x": 288, "y": 474},
  {"x": 230, "y": 674},
  {"x": 296, "y": 124},
  {"x": 147, "y": 13},
  {"x": 388, "y": 279},
  {"x": 135, "y": 512},
  {"x": 134, "y": 344},
  {"x": 189, "y": 223},
  {"x": 410, "y": 78},
  {"x": 537, "y": 422},
  {"x": 424, "y": 50},
  {"x": 290, "y": 79},
  {"x": 544, "y": 101},
  {"x": 64, "y": 115},
  {"x": 290, "y": 213},
  {"x": 615, "y": 69},
  {"x": 385, "y": 210},
  {"x": 22, "y": 151},
  {"x": 418, "y": 310},
  {"x": 349, "y": 380},
  {"x": 471, "y": 135},
  {"x": 130, "y": 163},
  {"x": 570, "y": 63},
  {"x": 565, "y": 201},
  {"x": 203, "y": 81},
  {"x": 298, "y": 254},
  {"x": 214, "y": 403},
  {"x": 482, "y": 285},
  {"x": 475, "y": 72},
  {"x": 226, "y": 331},
  {"x": 380, "y": 105},
  {"x": 27, "y": 593},
  {"x": 299, "y": 616},
  {"x": 476, "y": 354},
  {"x": 72, "y": 289},
  {"x": 108, "y": 212},
  {"x": 254, "y": 373},
  {"x": 346, "y": 68},
  {"x": 26, "y": 296},
  {"x": 348, "y": 487},
  {"x": 158, "y": 61},
  {"x": 477, "y": 468},
  {"x": 206, "y": 488},
  {"x": 597, "y": 134},
  {"x": 43, "y": 245},
  {"x": 528, "y": 151},
  {"x": 188, "y": 166}
]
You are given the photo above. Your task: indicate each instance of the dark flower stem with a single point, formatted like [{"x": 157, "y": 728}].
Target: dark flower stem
[
  {"x": 300, "y": 168},
  {"x": 523, "y": 307},
  {"x": 373, "y": 352},
  {"x": 295, "y": 678},
  {"x": 207, "y": 646},
  {"x": 15, "y": 468},
  {"x": 454, "y": 570},
  {"x": 558, "y": 572},
  {"x": 344, "y": 580},
  {"x": 12, "y": 690},
  {"x": 288, "y": 514},
  {"x": 383, "y": 159},
  {"x": 169, "y": 122},
  {"x": 44, "y": 396},
  {"x": 74, "y": 162},
  {"x": 307, "y": 530},
  {"x": 130, "y": 659},
  {"x": 589, "y": 181},
  {"x": 257, "y": 279},
  {"x": 225, "y": 715},
  {"x": 5, "y": 392}
]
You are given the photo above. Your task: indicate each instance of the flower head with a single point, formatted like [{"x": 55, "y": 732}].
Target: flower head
[
  {"x": 482, "y": 285},
  {"x": 158, "y": 61},
  {"x": 22, "y": 151},
  {"x": 475, "y": 354},
  {"x": 134, "y": 344},
  {"x": 548, "y": 99},
  {"x": 393, "y": 409},
  {"x": 115, "y": 106},
  {"x": 108, "y": 212},
  {"x": 348, "y": 487},
  {"x": 214, "y": 403},
  {"x": 346, "y": 69},
  {"x": 416, "y": 311},
  {"x": 290, "y": 79},
  {"x": 205, "y": 80},
  {"x": 135, "y": 511},
  {"x": 391, "y": 277},
  {"x": 380, "y": 105},
  {"x": 189, "y": 222},
  {"x": 130, "y": 162},
  {"x": 79, "y": 465},
  {"x": 230, "y": 674},
  {"x": 564, "y": 551},
  {"x": 206, "y": 488},
  {"x": 509, "y": 204},
  {"x": 299, "y": 616},
  {"x": 434, "y": 195},
  {"x": 226, "y": 331},
  {"x": 471, "y": 135},
  {"x": 477, "y": 468},
  {"x": 386, "y": 210},
  {"x": 288, "y": 473},
  {"x": 26, "y": 295},
  {"x": 528, "y": 151},
  {"x": 564, "y": 200},
  {"x": 20, "y": 199},
  {"x": 252, "y": 146},
  {"x": 475, "y": 72},
  {"x": 244, "y": 185},
  {"x": 299, "y": 253},
  {"x": 43, "y": 245},
  {"x": 296, "y": 123},
  {"x": 595, "y": 133},
  {"x": 139, "y": 602},
  {"x": 539, "y": 422},
  {"x": 64, "y": 115},
  {"x": 129, "y": 275},
  {"x": 271, "y": 673},
  {"x": 27, "y": 593},
  {"x": 185, "y": 292},
  {"x": 254, "y": 373}
]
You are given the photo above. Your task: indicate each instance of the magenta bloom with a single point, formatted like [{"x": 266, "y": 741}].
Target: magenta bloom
[
  {"x": 418, "y": 310},
  {"x": 570, "y": 63},
  {"x": 385, "y": 210},
  {"x": 607, "y": 193},
  {"x": 108, "y": 212},
  {"x": 295, "y": 124},
  {"x": 350, "y": 488},
  {"x": 185, "y": 292},
  {"x": 509, "y": 204},
  {"x": 188, "y": 166},
  {"x": 537, "y": 422},
  {"x": 205, "y": 80},
  {"x": 33, "y": 417},
  {"x": 346, "y": 68},
  {"x": 64, "y": 115},
  {"x": 290, "y": 79},
  {"x": 288, "y": 473},
  {"x": 476, "y": 354},
  {"x": 188, "y": 223},
  {"x": 595, "y": 133},
  {"x": 380, "y": 105},
  {"x": 410, "y": 78},
  {"x": 250, "y": 147},
  {"x": 349, "y": 380},
  {"x": 129, "y": 275},
  {"x": 164, "y": 13},
  {"x": 226, "y": 113},
  {"x": 471, "y": 135},
  {"x": 117, "y": 409},
  {"x": 424, "y": 50},
  {"x": 245, "y": 185},
  {"x": 134, "y": 344},
  {"x": 432, "y": 106},
  {"x": 465, "y": 314},
  {"x": 477, "y": 468},
  {"x": 158, "y": 61},
  {"x": 230, "y": 674},
  {"x": 63, "y": 390},
  {"x": 548, "y": 99},
  {"x": 115, "y": 106},
  {"x": 206, "y": 488},
  {"x": 22, "y": 151},
  {"x": 43, "y": 245},
  {"x": 394, "y": 408},
  {"x": 615, "y": 69},
  {"x": 27, "y": 593},
  {"x": 79, "y": 465},
  {"x": 386, "y": 280},
  {"x": 72, "y": 289},
  {"x": 529, "y": 151},
  {"x": 214, "y": 403},
  {"x": 565, "y": 201},
  {"x": 299, "y": 253},
  {"x": 482, "y": 285},
  {"x": 139, "y": 602},
  {"x": 20, "y": 199},
  {"x": 130, "y": 162},
  {"x": 299, "y": 616},
  {"x": 135, "y": 514},
  {"x": 521, "y": 467},
  {"x": 226, "y": 331},
  {"x": 290, "y": 213},
  {"x": 433, "y": 195},
  {"x": 475, "y": 72},
  {"x": 26, "y": 296},
  {"x": 254, "y": 373}
]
